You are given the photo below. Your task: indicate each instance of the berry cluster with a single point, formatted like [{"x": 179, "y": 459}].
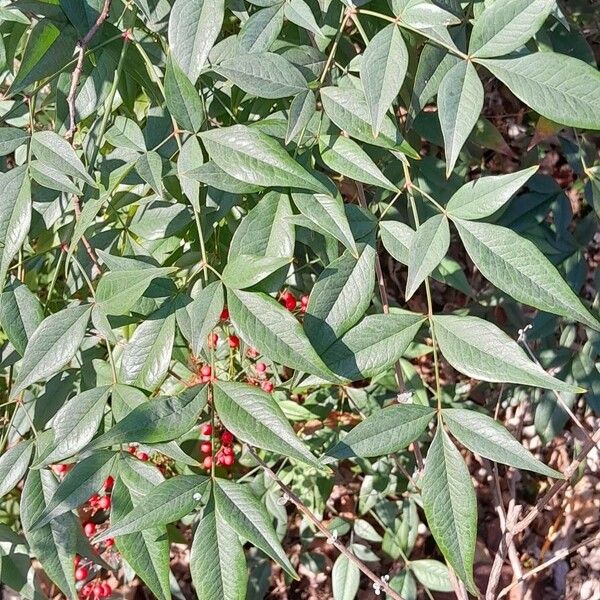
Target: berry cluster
[
  {"x": 225, "y": 455},
  {"x": 290, "y": 302}
]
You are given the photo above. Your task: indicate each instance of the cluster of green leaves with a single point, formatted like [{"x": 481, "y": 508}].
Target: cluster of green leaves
[{"x": 219, "y": 154}]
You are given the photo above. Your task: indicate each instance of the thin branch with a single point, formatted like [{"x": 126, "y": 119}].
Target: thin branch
[{"x": 378, "y": 583}]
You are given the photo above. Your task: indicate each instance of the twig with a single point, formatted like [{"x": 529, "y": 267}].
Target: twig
[
  {"x": 82, "y": 45},
  {"x": 378, "y": 583}
]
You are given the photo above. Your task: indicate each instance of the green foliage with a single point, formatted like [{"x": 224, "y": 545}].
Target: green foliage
[{"x": 243, "y": 236}]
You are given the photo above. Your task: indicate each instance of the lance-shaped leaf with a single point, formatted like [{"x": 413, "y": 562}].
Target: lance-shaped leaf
[
  {"x": 166, "y": 503},
  {"x": 263, "y": 74},
  {"x": 450, "y": 505},
  {"x": 506, "y": 26},
  {"x": 559, "y": 87},
  {"x": 147, "y": 551},
  {"x": 328, "y": 214},
  {"x": 118, "y": 291},
  {"x": 245, "y": 514},
  {"x": 373, "y": 345},
  {"x": 349, "y": 110},
  {"x": 82, "y": 481},
  {"x": 75, "y": 424},
  {"x": 516, "y": 266},
  {"x": 484, "y": 196},
  {"x": 302, "y": 108},
  {"x": 483, "y": 351},
  {"x": 460, "y": 100},
  {"x": 340, "y": 297},
  {"x": 55, "y": 544},
  {"x": 20, "y": 314},
  {"x": 212, "y": 175},
  {"x": 345, "y": 579},
  {"x": 488, "y": 438},
  {"x": 146, "y": 357},
  {"x": 11, "y": 138},
  {"x": 253, "y": 157},
  {"x": 261, "y": 30},
  {"x": 264, "y": 324},
  {"x": 182, "y": 98},
  {"x": 255, "y": 417},
  {"x": 194, "y": 26},
  {"x": 15, "y": 215},
  {"x": 204, "y": 313},
  {"x": 386, "y": 431},
  {"x": 299, "y": 12},
  {"x": 217, "y": 559},
  {"x": 432, "y": 574},
  {"x": 52, "y": 346},
  {"x": 346, "y": 157},
  {"x": 246, "y": 270},
  {"x": 56, "y": 152},
  {"x": 429, "y": 246},
  {"x": 160, "y": 420},
  {"x": 13, "y": 465},
  {"x": 382, "y": 72}
]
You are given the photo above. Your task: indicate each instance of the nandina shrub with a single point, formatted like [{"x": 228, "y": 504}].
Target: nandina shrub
[{"x": 254, "y": 249}]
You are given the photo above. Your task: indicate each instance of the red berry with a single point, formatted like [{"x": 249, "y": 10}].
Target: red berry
[
  {"x": 234, "y": 341},
  {"x": 290, "y": 303},
  {"x": 62, "y": 469},
  {"x": 206, "y": 429},
  {"x": 213, "y": 338},
  {"x": 97, "y": 590},
  {"x": 304, "y": 300},
  {"x": 87, "y": 589},
  {"x": 227, "y": 451},
  {"x": 227, "y": 438},
  {"x": 106, "y": 590},
  {"x": 89, "y": 528},
  {"x": 228, "y": 460},
  {"x": 206, "y": 448},
  {"x": 143, "y": 456},
  {"x": 108, "y": 484},
  {"x": 109, "y": 542},
  {"x": 205, "y": 378},
  {"x": 132, "y": 449},
  {"x": 94, "y": 499},
  {"x": 207, "y": 462},
  {"x": 252, "y": 352},
  {"x": 206, "y": 370},
  {"x": 104, "y": 502},
  {"x": 261, "y": 367},
  {"x": 225, "y": 314},
  {"x": 81, "y": 573},
  {"x": 267, "y": 386}
]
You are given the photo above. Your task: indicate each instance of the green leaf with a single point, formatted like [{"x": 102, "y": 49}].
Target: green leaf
[
  {"x": 346, "y": 157},
  {"x": 75, "y": 424},
  {"x": 147, "y": 552},
  {"x": 488, "y": 438},
  {"x": 145, "y": 359},
  {"x": 299, "y": 12},
  {"x": 182, "y": 98},
  {"x": 255, "y": 417},
  {"x": 52, "y": 346},
  {"x": 382, "y": 72},
  {"x": 482, "y": 351},
  {"x": 264, "y": 324},
  {"x": 217, "y": 560},
  {"x": 345, "y": 579},
  {"x": 561, "y": 88},
  {"x": 261, "y": 30},
  {"x": 11, "y": 138},
  {"x": 15, "y": 215},
  {"x": 384, "y": 432},
  {"x": 432, "y": 574},
  {"x": 166, "y": 503},
  {"x": 51, "y": 178},
  {"x": 118, "y": 291},
  {"x": 328, "y": 214},
  {"x": 506, "y": 26},
  {"x": 82, "y": 481},
  {"x": 57, "y": 153},
  {"x": 13, "y": 465},
  {"x": 340, "y": 297},
  {"x": 247, "y": 516},
  {"x": 246, "y": 270},
  {"x": 263, "y": 74},
  {"x": 349, "y": 110},
  {"x": 212, "y": 175},
  {"x": 450, "y": 505},
  {"x": 149, "y": 168},
  {"x": 253, "y": 157},
  {"x": 516, "y": 266},
  {"x": 429, "y": 246},
  {"x": 53, "y": 545},
  {"x": 20, "y": 314},
  {"x": 482, "y": 197},
  {"x": 373, "y": 345},
  {"x": 460, "y": 100},
  {"x": 302, "y": 109},
  {"x": 160, "y": 420},
  {"x": 194, "y": 26},
  {"x": 204, "y": 312},
  {"x": 127, "y": 134}
]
